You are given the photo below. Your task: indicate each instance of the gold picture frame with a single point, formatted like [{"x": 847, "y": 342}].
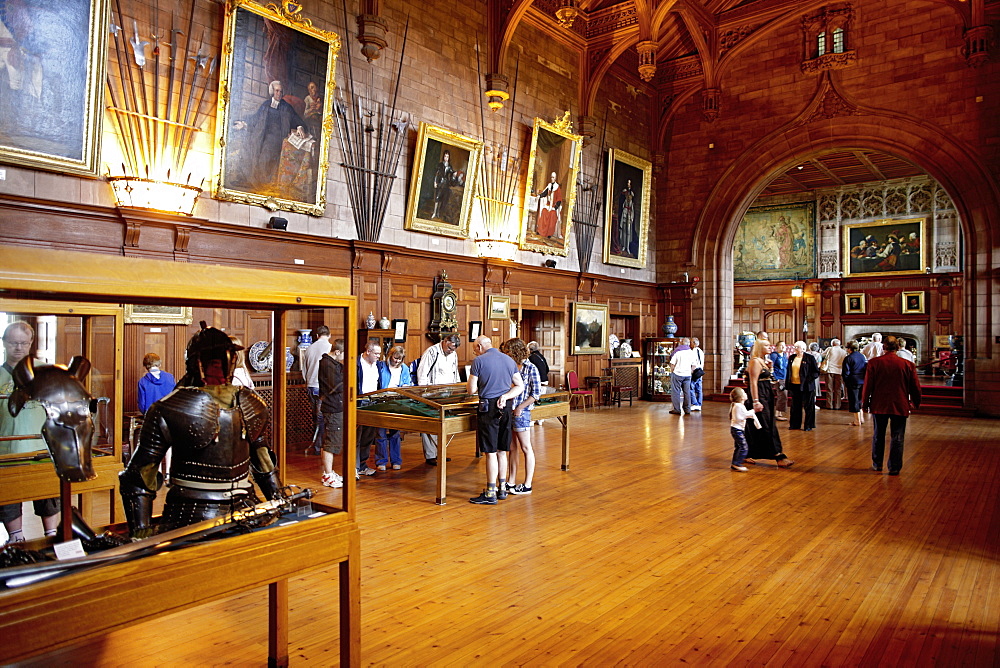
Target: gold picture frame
[
  {"x": 441, "y": 190},
  {"x": 499, "y": 307},
  {"x": 252, "y": 168},
  {"x": 146, "y": 314},
  {"x": 589, "y": 329},
  {"x": 54, "y": 121},
  {"x": 854, "y": 303},
  {"x": 905, "y": 255},
  {"x": 629, "y": 184},
  {"x": 550, "y": 192},
  {"x": 912, "y": 302}
]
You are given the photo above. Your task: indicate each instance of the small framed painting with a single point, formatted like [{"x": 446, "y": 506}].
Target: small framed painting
[
  {"x": 475, "y": 329},
  {"x": 499, "y": 307},
  {"x": 146, "y": 314},
  {"x": 854, "y": 303},
  {"x": 399, "y": 330},
  {"x": 913, "y": 302},
  {"x": 590, "y": 322}
]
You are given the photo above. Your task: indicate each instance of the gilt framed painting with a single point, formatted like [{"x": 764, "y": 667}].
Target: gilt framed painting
[
  {"x": 442, "y": 183},
  {"x": 274, "y": 120},
  {"x": 553, "y": 164},
  {"x": 54, "y": 57},
  {"x": 626, "y": 223}
]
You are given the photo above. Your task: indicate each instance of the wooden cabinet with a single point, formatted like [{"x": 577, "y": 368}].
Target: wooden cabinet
[{"x": 656, "y": 356}]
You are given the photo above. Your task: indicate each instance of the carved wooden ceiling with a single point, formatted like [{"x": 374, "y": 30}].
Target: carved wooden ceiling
[{"x": 840, "y": 168}]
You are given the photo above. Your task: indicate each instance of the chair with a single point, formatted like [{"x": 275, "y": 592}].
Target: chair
[
  {"x": 617, "y": 391},
  {"x": 573, "y": 383}
]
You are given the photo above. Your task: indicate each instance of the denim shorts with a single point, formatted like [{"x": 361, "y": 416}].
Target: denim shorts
[{"x": 522, "y": 422}]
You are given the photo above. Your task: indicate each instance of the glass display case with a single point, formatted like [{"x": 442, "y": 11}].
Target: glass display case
[
  {"x": 656, "y": 357},
  {"x": 446, "y": 411}
]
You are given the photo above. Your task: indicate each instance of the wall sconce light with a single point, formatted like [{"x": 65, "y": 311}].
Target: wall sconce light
[
  {"x": 276, "y": 223},
  {"x": 134, "y": 192},
  {"x": 797, "y": 289}
]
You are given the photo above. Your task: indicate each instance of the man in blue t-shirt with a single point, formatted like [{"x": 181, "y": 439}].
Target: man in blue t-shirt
[{"x": 496, "y": 379}]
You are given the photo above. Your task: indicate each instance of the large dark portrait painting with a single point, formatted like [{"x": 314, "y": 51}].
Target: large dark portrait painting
[
  {"x": 626, "y": 225},
  {"x": 776, "y": 242},
  {"x": 274, "y": 102},
  {"x": 442, "y": 183},
  {"x": 551, "y": 189},
  {"x": 884, "y": 247},
  {"x": 52, "y": 62}
]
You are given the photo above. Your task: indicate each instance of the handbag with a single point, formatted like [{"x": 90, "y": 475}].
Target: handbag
[{"x": 696, "y": 374}]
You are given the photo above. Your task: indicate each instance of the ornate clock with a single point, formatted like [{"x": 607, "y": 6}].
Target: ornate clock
[{"x": 444, "y": 306}]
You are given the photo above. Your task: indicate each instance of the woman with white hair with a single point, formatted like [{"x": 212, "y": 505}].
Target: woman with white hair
[{"x": 803, "y": 372}]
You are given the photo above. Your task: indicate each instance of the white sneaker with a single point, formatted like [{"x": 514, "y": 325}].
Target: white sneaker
[
  {"x": 696, "y": 408},
  {"x": 332, "y": 480}
]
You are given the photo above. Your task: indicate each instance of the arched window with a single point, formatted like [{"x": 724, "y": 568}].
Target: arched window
[
  {"x": 820, "y": 44},
  {"x": 838, "y": 40}
]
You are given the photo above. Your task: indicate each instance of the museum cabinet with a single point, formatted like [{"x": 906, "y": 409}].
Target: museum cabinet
[
  {"x": 78, "y": 301},
  {"x": 656, "y": 357}
]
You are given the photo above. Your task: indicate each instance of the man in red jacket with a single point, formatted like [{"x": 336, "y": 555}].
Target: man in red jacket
[{"x": 891, "y": 386}]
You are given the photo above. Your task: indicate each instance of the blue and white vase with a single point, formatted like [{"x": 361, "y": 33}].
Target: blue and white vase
[
  {"x": 670, "y": 327},
  {"x": 370, "y": 321},
  {"x": 305, "y": 338},
  {"x": 747, "y": 340},
  {"x": 289, "y": 359}
]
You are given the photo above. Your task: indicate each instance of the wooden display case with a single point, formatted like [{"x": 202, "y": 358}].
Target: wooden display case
[
  {"x": 446, "y": 411},
  {"x": 45, "y": 615},
  {"x": 656, "y": 356}
]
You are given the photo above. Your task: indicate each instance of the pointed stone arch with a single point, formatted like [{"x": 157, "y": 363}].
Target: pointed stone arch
[{"x": 954, "y": 165}]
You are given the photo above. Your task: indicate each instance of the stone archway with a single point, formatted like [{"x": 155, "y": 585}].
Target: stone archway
[{"x": 948, "y": 161}]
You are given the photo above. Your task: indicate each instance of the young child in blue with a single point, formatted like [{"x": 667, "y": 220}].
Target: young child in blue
[{"x": 738, "y": 416}]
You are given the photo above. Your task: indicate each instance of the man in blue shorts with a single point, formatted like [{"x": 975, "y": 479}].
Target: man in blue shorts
[{"x": 496, "y": 379}]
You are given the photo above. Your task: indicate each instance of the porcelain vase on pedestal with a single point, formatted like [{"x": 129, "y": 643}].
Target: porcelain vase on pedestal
[{"x": 670, "y": 327}]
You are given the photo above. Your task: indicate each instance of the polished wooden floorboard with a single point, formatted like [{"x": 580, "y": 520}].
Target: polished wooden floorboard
[{"x": 648, "y": 551}]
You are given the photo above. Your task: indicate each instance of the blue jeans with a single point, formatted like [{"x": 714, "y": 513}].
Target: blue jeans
[
  {"x": 696, "y": 395},
  {"x": 387, "y": 447},
  {"x": 897, "y": 427},
  {"x": 740, "y": 446},
  {"x": 680, "y": 388}
]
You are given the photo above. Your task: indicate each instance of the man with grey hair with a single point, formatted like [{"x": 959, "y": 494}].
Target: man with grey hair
[
  {"x": 17, "y": 342},
  {"x": 833, "y": 358},
  {"x": 683, "y": 362},
  {"x": 273, "y": 121},
  {"x": 438, "y": 366},
  {"x": 874, "y": 347}
]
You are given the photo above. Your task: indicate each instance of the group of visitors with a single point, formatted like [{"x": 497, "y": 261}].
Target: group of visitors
[
  {"x": 507, "y": 380},
  {"x": 877, "y": 379}
]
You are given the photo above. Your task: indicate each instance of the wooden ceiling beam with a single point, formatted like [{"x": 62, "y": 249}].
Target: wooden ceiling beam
[
  {"x": 821, "y": 167},
  {"x": 863, "y": 159}
]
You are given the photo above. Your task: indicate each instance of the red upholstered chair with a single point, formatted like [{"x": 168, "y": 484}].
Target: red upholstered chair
[{"x": 573, "y": 383}]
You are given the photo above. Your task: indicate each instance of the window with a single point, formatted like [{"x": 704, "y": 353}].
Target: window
[
  {"x": 838, "y": 40},
  {"x": 820, "y": 44}
]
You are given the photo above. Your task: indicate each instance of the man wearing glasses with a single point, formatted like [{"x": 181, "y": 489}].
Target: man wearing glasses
[{"x": 438, "y": 366}]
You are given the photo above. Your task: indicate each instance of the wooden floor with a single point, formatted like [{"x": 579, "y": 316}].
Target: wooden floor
[{"x": 649, "y": 551}]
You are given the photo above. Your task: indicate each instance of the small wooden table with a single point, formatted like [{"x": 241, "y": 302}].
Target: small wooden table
[{"x": 602, "y": 384}]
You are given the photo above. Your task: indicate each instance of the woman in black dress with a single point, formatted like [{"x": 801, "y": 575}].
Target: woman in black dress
[{"x": 765, "y": 443}]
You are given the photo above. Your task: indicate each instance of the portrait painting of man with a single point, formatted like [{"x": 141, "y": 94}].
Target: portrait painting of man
[
  {"x": 551, "y": 192},
  {"x": 272, "y": 132},
  {"x": 444, "y": 171},
  {"x": 626, "y": 225},
  {"x": 51, "y": 82}
]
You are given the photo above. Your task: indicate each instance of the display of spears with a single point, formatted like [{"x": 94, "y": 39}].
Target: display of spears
[
  {"x": 371, "y": 135},
  {"x": 589, "y": 214},
  {"x": 499, "y": 169},
  {"x": 157, "y": 131}
]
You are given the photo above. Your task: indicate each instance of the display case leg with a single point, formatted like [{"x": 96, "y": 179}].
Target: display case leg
[{"x": 277, "y": 624}]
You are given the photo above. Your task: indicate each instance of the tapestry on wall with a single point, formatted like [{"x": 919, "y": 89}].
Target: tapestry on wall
[{"x": 776, "y": 242}]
